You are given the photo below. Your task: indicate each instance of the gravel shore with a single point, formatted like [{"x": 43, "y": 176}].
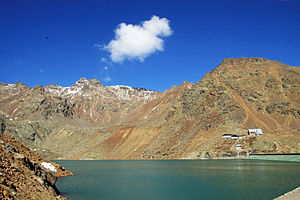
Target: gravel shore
[{"x": 292, "y": 195}]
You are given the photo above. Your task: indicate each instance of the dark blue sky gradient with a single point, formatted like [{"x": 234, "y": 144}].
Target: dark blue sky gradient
[{"x": 205, "y": 32}]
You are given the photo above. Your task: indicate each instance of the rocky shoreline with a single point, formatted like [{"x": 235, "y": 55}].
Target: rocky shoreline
[
  {"x": 25, "y": 174},
  {"x": 292, "y": 195}
]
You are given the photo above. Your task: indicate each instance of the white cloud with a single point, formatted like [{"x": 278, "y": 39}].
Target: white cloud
[
  {"x": 99, "y": 46},
  {"x": 107, "y": 78},
  {"x": 105, "y": 67},
  {"x": 138, "y": 41}
]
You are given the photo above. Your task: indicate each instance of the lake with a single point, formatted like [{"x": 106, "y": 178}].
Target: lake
[{"x": 178, "y": 179}]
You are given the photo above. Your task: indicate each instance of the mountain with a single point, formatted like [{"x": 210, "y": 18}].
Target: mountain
[
  {"x": 87, "y": 101},
  {"x": 90, "y": 121}
]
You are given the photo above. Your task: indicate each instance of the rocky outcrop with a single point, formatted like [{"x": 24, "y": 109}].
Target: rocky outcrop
[
  {"x": 23, "y": 176},
  {"x": 2, "y": 126}
]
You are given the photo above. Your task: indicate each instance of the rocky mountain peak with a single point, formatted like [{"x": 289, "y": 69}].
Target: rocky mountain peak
[
  {"x": 243, "y": 60},
  {"x": 95, "y": 81},
  {"x": 187, "y": 85},
  {"x": 236, "y": 65},
  {"x": 183, "y": 86},
  {"x": 38, "y": 87},
  {"x": 20, "y": 83},
  {"x": 82, "y": 81},
  {"x": 87, "y": 82}
]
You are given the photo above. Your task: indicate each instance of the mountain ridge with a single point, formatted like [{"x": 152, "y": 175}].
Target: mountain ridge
[{"x": 92, "y": 121}]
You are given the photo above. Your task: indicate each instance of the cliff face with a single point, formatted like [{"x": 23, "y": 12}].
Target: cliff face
[
  {"x": 92, "y": 121},
  {"x": 26, "y": 175}
]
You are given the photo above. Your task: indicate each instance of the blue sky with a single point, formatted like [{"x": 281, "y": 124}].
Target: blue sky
[{"x": 44, "y": 42}]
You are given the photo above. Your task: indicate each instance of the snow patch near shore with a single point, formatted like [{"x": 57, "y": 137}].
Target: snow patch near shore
[{"x": 48, "y": 166}]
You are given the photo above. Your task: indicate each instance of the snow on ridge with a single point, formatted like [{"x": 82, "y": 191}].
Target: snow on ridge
[
  {"x": 53, "y": 91},
  {"x": 121, "y": 87},
  {"x": 53, "y": 88},
  {"x": 121, "y": 92},
  {"x": 15, "y": 110},
  {"x": 71, "y": 90},
  {"x": 9, "y": 85},
  {"x": 64, "y": 91},
  {"x": 124, "y": 92},
  {"x": 48, "y": 166}
]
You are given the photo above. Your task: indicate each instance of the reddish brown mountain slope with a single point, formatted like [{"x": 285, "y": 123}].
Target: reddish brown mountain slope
[{"x": 92, "y": 121}]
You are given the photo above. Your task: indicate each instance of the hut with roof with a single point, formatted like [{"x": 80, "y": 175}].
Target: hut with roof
[{"x": 255, "y": 132}]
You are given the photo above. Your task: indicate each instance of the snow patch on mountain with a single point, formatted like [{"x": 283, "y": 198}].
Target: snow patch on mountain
[{"x": 89, "y": 88}]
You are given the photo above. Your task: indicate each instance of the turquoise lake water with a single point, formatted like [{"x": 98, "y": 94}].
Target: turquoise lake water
[{"x": 178, "y": 180}]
